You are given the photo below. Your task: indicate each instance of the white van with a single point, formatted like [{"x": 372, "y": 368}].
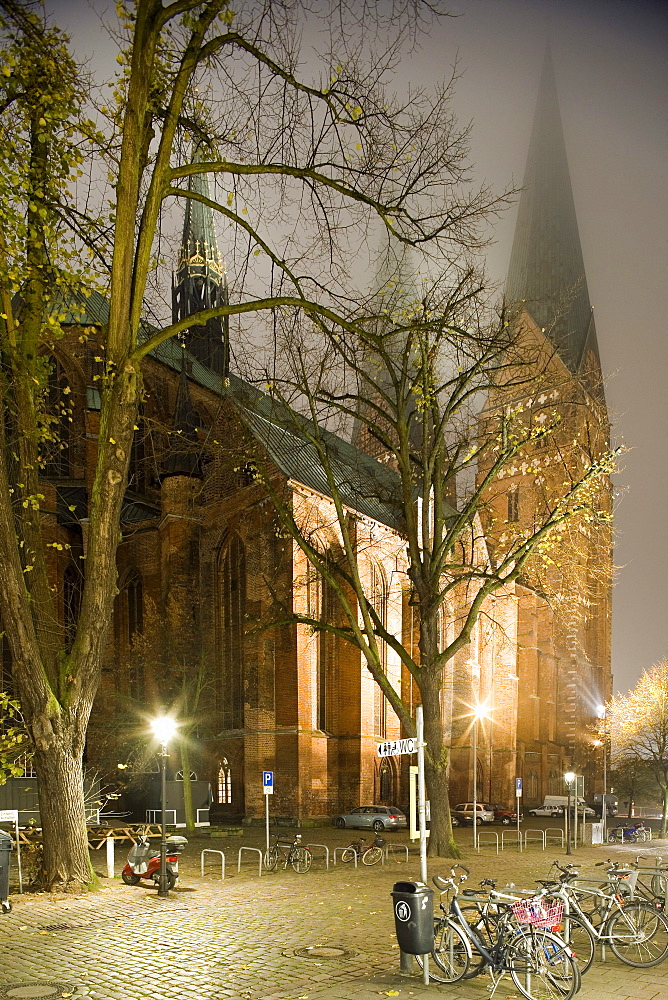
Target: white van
[{"x": 561, "y": 802}]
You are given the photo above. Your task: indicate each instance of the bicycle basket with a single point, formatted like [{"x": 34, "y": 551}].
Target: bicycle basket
[
  {"x": 379, "y": 842},
  {"x": 537, "y": 912}
]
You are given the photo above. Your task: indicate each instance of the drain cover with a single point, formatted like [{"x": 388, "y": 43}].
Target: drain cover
[
  {"x": 324, "y": 951},
  {"x": 34, "y": 991}
]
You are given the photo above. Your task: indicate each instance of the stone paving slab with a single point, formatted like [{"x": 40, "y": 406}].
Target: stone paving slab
[{"x": 237, "y": 939}]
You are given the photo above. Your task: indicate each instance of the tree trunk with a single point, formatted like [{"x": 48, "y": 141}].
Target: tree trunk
[
  {"x": 441, "y": 839},
  {"x": 664, "y": 818},
  {"x": 59, "y": 768}
]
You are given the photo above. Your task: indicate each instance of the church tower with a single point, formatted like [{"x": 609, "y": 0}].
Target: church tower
[
  {"x": 201, "y": 281},
  {"x": 546, "y": 273},
  {"x": 563, "y": 641}
]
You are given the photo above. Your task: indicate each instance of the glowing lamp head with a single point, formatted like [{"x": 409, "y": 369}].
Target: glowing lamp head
[
  {"x": 569, "y": 777},
  {"x": 600, "y": 711},
  {"x": 163, "y": 729}
]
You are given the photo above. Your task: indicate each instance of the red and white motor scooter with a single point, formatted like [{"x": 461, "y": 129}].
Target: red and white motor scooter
[{"x": 144, "y": 861}]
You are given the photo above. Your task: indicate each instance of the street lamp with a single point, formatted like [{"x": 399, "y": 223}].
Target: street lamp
[
  {"x": 163, "y": 728},
  {"x": 480, "y": 712},
  {"x": 601, "y": 712},
  {"x": 569, "y": 778}
]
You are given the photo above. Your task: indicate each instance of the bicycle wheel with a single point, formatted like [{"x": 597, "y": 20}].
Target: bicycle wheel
[
  {"x": 659, "y": 886},
  {"x": 271, "y": 859},
  {"x": 301, "y": 860},
  {"x": 542, "y": 966},
  {"x": 638, "y": 934},
  {"x": 581, "y": 940},
  {"x": 452, "y": 952},
  {"x": 348, "y": 855},
  {"x": 485, "y": 926},
  {"x": 372, "y": 856}
]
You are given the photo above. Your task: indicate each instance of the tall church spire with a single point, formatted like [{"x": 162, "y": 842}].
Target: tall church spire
[
  {"x": 546, "y": 272},
  {"x": 201, "y": 281}
]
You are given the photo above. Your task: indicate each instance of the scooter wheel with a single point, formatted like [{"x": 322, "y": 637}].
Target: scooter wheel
[
  {"x": 130, "y": 878},
  {"x": 171, "y": 880}
]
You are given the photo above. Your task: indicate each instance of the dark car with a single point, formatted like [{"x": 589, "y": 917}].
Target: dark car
[
  {"x": 506, "y": 816},
  {"x": 372, "y": 818}
]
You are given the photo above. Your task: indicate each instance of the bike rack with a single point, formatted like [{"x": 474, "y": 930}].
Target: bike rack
[
  {"x": 395, "y": 847},
  {"x": 552, "y": 830},
  {"x": 515, "y": 836},
  {"x": 255, "y": 850},
  {"x": 325, "y": 849},
  {"x": 488, "y": 833},
  {"x": 209, "y": 850},
  {"x": 340, "y": 850},
  {"x": 540, "y": 839}
]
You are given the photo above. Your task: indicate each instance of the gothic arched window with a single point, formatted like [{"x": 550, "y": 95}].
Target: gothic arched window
[
  {"x": 71, "y": 603},
  {"x": 232, "y": 603},
  {"x": 224, "y": 783},
  {"x": 55, "y": 448},
  {"x": 133, "y": 600},
  {"x": 378, "y": 598}
]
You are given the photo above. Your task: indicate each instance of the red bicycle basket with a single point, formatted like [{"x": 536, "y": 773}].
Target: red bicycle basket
[{"x": 538, "y": 912}]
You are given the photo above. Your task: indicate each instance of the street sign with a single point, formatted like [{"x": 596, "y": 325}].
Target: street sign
[
  {"x": 268, "y": 782},
  {"x": 394, "y": 748},
  {"x": 518, "y": 787}
]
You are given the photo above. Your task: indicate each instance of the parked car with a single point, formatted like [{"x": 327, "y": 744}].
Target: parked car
[
  {"x": 462, "y": 814},
  {"x": 372, "y": 818},
  {"x": 506, "y": 816},
  {"x": 552, "y": 811}
]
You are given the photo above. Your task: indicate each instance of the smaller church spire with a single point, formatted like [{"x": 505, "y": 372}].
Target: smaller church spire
[
  {"x": 546, "y": 273},
  {"x": 201, "y": 280}
]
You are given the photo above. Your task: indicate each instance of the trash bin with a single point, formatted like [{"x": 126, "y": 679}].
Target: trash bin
[
  {"x": 6, "y": 847},
  {"x": 414, "y": 917}
]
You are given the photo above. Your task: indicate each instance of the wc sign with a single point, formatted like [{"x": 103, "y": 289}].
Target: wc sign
[{"x": 268, "y": 782}]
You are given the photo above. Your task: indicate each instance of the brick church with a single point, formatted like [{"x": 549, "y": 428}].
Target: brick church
[{"x": 201, "y": 556}]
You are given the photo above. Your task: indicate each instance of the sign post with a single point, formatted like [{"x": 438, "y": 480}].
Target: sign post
[
  {"x": 12, "y": 816},
  {"x": 518, "y": 797},
  {"x": 268, "y": 789},
  {"x": 394, "y": 748}
]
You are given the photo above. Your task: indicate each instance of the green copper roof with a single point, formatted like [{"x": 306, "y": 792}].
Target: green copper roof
[{"x": 546, "y": 270}]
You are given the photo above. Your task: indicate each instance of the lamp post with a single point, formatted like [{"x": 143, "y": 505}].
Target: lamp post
[
  {"x": 569, "y": 778},
  {"x": 601, "y": 712},
  {"x": 163, "y": 728},
  {"x": 479, "y": 713}
]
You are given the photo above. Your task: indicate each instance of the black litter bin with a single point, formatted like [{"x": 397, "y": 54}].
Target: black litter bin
[
  {"x": 414, "y": 917},
  {"x": 6, "y": 847}
]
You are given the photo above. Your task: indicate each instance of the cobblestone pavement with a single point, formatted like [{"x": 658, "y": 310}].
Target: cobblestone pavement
[{"x": 239, "y": 938}]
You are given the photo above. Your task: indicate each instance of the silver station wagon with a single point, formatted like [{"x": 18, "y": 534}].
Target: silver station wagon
[{"x": 372, "y": 818}]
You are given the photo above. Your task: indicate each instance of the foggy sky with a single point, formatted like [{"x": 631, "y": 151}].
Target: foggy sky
[{"x": 611, "y": 69}]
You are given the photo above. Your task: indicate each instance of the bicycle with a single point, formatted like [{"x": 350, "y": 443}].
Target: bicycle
[
  {"x": 370, "y": 854},
  {"x": 291, "y": 852},
  {"x": 540, "y": 964},
  {"x": 634, "y": 929}
]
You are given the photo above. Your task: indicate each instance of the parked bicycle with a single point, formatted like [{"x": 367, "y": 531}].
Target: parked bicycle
[
  {"x": 369, "y": 854},
  {"x": 290, "y": 852},
  {"x": 635, "y": 930},
  {"x": 516, "y": 941}
]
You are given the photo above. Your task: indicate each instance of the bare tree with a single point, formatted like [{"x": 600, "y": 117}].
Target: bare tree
[{"x": 442, "y": 394}]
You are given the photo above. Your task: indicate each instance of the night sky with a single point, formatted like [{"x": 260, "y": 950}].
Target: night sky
[{"x": 610, "y": 60}]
